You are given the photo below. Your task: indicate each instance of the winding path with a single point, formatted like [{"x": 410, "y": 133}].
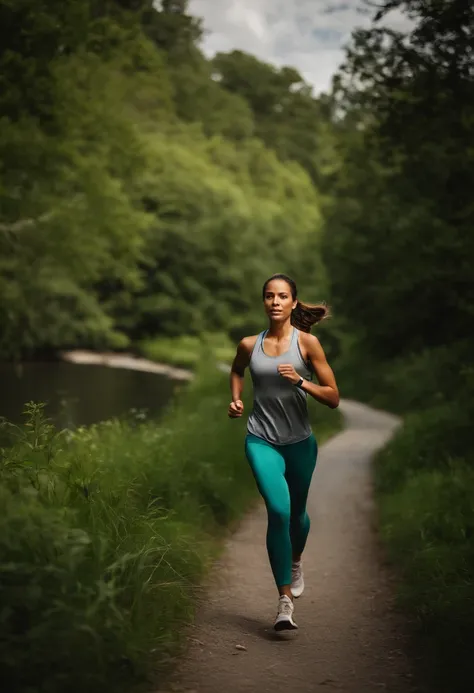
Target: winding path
[{"x": 349, "y": 638}]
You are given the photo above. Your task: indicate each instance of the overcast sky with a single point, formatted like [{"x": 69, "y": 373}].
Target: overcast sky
[{"x": 306, "y": 34}]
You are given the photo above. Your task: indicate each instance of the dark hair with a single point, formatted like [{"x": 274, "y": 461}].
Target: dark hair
[{"x": 304, "y": 316}]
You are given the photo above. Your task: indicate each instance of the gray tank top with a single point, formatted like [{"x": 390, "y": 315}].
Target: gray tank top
[{"x": 279, "y": 413}]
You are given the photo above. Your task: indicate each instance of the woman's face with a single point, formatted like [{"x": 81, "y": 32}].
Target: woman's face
[{"x": 278, "y": 301}]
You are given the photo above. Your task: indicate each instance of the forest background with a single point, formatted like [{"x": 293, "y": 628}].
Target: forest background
[{"x": 146, "y": 192}]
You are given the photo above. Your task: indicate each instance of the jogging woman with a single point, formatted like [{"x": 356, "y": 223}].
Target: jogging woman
[{"x": 280, "y": 445}]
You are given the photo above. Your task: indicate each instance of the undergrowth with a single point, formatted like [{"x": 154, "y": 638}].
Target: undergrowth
[{"x": 106, "y": 533}]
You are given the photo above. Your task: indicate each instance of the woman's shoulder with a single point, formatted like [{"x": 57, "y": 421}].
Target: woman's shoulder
[
  {"x": 309, "y": 343},
  {"x": 244, "y": 353},
  {"x": 247, "y": 343},
  {"x": 308, "y": 339}
]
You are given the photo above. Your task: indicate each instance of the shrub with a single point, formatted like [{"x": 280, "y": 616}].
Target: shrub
[{"x": 106, "y": 533}]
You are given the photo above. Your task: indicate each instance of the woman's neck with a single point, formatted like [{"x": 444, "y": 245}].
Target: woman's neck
[{"x": 280, "y": 330}]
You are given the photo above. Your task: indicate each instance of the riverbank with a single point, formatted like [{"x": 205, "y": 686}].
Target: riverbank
[
  {"x": 125, "y": 360},
  {"x": 110, "y": 530}
]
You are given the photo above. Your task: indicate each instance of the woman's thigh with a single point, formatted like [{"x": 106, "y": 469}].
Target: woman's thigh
[
  {"x": 300, "y": 459},
  {"x": 268, "y": 467}
]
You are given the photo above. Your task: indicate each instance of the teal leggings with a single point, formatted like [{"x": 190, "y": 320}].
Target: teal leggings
[{"x": 283, "y": 474}]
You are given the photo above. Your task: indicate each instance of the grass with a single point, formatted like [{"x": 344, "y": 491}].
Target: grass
[
  {"x": 424, "y": 481},
  {"x": 106, "y": 534},
  {"x": 427, "y": 526},
  {"x": 424, "y": 484}
]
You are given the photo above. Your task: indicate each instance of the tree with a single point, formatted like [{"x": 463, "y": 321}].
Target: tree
[
  {"x": 172, "y": 29},
  {"x": 288, "y": 118},
  {"x": 398, "y": 241}
]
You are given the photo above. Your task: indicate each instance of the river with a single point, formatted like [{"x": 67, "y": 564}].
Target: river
[{"x": 81, "y": 394}]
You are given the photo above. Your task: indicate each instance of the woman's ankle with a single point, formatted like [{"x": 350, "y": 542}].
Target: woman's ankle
[{"x": 285, "y": 591}]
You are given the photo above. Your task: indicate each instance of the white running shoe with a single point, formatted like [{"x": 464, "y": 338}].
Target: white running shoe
[
  {"x": 297, "y": 579},
  {"x": 284, "y": 619}
]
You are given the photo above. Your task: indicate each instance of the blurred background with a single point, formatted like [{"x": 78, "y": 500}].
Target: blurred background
[{"x": 158, "y": 161}]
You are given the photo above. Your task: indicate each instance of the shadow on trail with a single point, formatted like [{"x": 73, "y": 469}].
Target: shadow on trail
[{"x": 253, "y": 626}]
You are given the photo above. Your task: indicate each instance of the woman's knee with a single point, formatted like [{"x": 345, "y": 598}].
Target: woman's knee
[
  {"x": 278, "y": 516},
  {"x": 300, "y": 519}
]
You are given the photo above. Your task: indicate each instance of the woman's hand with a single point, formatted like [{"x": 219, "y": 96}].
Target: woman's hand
[
  {"x": 236, "y": 409},
  {"x": 288, "y": 372}
]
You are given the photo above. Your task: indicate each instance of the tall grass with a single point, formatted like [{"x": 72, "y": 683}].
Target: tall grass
[
  {"x": 106, "y": 533},
  {"x": 424, "y": 482}
]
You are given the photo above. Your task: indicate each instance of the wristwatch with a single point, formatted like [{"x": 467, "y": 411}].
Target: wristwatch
[{"x": 299, "y": 383}]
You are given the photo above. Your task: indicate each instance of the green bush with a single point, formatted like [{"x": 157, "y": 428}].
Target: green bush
[
  {"x": 429, "y": 440},
  {"x": 428, "y": 526},
  {"x": 425, "y": 489},
  {"x": 187, "y": 351},
  {"x": 422, "y": 380},
  {"x": 106, "y": 533},
  {"x": 424, "y": 483}
]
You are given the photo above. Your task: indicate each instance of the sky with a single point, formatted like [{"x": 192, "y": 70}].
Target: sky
[{"x": 306, "y": 34}]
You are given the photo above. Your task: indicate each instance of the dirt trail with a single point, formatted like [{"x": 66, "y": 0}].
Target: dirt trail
[{"x": 349, "y": 637}]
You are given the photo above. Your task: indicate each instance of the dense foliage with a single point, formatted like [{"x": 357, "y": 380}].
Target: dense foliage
[
  {"x": 399, "y": 250},
  {"x": 146, "y": 193},
  {"x": 139, "y": 195}
]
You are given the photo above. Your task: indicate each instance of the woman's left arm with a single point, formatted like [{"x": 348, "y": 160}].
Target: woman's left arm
[{"x": 326, "y": 391}]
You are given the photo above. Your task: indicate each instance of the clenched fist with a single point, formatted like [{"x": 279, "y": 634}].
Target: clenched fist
[
  {"x": 288, "y": 372},
  {"x": 236, "y": 409}
]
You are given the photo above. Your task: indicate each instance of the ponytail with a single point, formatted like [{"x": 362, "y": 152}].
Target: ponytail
[{"x": 304, "y": 316}]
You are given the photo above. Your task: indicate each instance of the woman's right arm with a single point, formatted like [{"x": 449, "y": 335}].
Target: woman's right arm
[{"x": 237, "y": 372}]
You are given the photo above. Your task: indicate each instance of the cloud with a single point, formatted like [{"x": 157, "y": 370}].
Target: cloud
[{"x": 307, "y": 34}]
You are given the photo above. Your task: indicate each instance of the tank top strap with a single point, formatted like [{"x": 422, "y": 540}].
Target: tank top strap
[
  {"x": 259, "y": 343},
  {"x": 294, "y": 341}
]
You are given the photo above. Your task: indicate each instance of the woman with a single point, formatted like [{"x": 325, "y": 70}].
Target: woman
[{"x": 280, "y": 445}]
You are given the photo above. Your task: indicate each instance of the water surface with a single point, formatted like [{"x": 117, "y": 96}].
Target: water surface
[{"x": 81, "y": 394}]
